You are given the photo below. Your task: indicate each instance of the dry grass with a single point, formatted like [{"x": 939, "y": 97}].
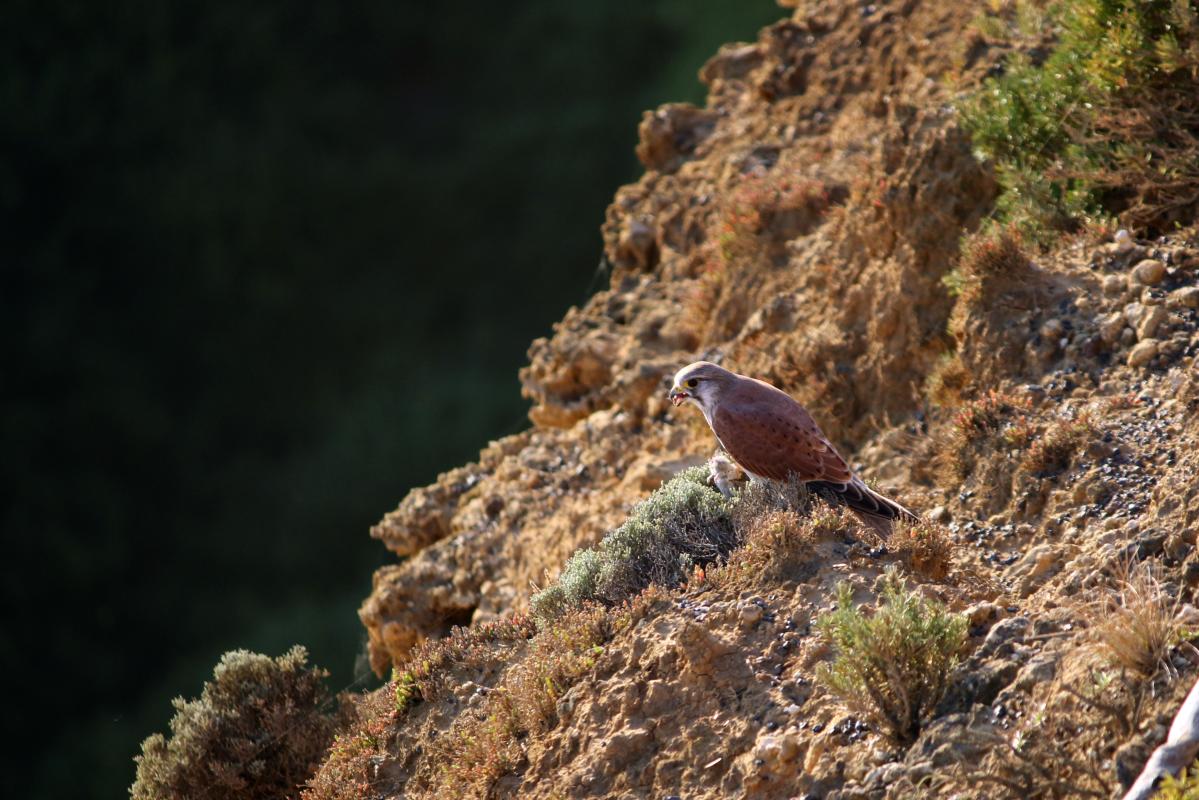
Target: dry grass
[
  {"x": 996, "y": 418},
  {"x": 350, "y": 772},
  {"x": 1041, "y": 758},
  {"x": 995, "y": 256},
  {"x": 1136, "y": 623},
  {"x": 425, "y": 675},
  {"x": 778, "y": 527},
  {"x": 485, "y": 744},
  {"x": 949, "y": 382},
  {"x": 988, "y": 415},
  {"x": 1054, "y": 450},
  {"x": 924, "y": 546},
  {"x": 1065, "y": 749}
]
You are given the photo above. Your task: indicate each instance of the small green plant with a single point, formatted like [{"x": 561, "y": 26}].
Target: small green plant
[
  {"x": 258, "y": 730},
  {"x": 1184, "y": 787},
  {"x": 893, "y": 666},
  {"x": 1106, "y": 124},
  {"x": 683, "y": 524},
  {"x": 407, "y": 690}
]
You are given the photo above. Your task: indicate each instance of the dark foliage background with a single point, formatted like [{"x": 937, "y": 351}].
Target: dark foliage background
[{"x": 265, "y": 267}]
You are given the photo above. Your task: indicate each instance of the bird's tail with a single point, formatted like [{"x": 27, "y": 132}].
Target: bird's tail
[{"x": 874, "y": 509}]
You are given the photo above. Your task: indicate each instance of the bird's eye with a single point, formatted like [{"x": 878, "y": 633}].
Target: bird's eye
[{"x": 691, "y": 384}]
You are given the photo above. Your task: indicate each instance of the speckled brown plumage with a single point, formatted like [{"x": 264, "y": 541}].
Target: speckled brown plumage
[{"x": 771, "y": 436}]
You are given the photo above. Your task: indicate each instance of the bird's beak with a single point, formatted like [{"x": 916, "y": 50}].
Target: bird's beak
[{"x": 678, "y": 395}]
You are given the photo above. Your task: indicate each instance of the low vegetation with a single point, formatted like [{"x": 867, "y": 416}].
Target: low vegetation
[
  {"x": 777, "y": 526},
  {"x": 424, "y": 677},
  {"x": 350, "y": 770},
  {"x": 1136, "y": 623},
  {"x": 258, "y": 730},
  {"x": 924, "y": 546},
  {"x": 994, "y": 419},
  {"x": 1054, "y": 450},
  {"x": 484, "y": 745},
  {"x": 1184, "y": 787},
  {"x": 892, "y": 666},
  {"x": 985, "y": 257},
  {"x": 684, "y": 524},
  {"x": 1104, "y": 125}
]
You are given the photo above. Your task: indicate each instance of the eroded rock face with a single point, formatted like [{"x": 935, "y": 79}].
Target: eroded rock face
[
  {"x": 798, "y": 228},
  {"x": 859, "y": 202}
]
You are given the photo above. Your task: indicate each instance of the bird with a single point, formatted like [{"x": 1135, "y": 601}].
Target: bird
[{"x": 774, "y": 438}]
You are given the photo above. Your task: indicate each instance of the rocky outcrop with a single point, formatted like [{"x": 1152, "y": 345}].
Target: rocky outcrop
[
  {"x": 804, "y": 152},
  {"x": 802, "y": 227}
]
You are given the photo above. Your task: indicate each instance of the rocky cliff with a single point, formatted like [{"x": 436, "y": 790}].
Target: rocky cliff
[{"x": 814, "y": 225}]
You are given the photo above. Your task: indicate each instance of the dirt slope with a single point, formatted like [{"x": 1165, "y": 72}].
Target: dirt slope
[{"x": 799, "y": 228}]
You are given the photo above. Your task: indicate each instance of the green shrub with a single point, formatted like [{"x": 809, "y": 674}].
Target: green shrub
[
  {"x": 683, "y": 524},
  {"x": 1105, "y": 124},
  {"x": 259, "y": 730},
  {"x": 891, "y": 667}
]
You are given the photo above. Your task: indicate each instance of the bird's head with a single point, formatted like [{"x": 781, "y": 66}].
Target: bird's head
[{"x": 700, "y": 383}]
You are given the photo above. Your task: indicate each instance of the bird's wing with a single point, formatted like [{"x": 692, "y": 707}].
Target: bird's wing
[{"x": 771, "y": 435}]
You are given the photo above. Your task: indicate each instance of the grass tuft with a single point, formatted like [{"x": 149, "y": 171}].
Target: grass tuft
[
  {"x": 426, "y": 673},
  {"x": 1136, "y": 624},
  {"x": 996, "y": 418},
  {"x": 925, "y": 546},
  {"x": 1055, "y": 449}
]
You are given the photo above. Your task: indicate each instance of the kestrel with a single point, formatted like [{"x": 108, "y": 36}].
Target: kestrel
[{"x": 772, "y": 437}]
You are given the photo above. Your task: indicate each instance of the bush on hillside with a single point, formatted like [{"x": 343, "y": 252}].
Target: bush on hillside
[
  {"x": 259, "y": 730},
  {"x": 1106, "y": 124},
  {"x": 893, "y": 666},
  {"x": 683, "y": 524}
]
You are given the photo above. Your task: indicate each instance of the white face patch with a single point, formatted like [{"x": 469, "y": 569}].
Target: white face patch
[
  {"x": 700, "y": 401},
  {"x": 695, "y": 389}
]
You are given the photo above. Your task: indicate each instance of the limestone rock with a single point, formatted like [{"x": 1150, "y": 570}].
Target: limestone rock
[
  {"x": 1143, "y": 353},
  {"x": 1149, "y": 272}
]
